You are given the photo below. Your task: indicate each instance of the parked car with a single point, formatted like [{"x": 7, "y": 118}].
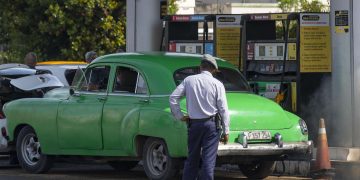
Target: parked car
[
  {"x": 120, "y": 112},
  {"x": 18, "y": 81},
  {"x": 64, "y": 70}
]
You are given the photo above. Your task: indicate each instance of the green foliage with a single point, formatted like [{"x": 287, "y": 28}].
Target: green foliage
[
  {"x": 60, "y": 29},
  {"x": 172, "y": 7},
  {"x": 288, "y": 5},
  {"x": 313, "y": 6},
  {"x": 298, "y": 6},
  {"x": 302, "y": 6}
]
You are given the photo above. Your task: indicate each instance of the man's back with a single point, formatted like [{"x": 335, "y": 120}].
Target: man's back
[{"x": 201, "y": 95}]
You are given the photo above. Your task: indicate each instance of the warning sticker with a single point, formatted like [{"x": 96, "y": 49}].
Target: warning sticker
[
  {"x": 342, "y": 21},
  {"x": 315, "y": 44}
]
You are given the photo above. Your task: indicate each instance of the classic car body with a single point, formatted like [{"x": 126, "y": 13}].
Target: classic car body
[{"x": 134, "y": 122}]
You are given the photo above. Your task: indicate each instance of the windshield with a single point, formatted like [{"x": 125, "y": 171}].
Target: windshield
[
  {"x": 232, "y": 79},
  {"x": 78, "y": 76}
]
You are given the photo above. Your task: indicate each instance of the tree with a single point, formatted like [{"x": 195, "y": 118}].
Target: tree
[
  {"x": 313, "y": 6},
  {"x": 172, "y": 7},
  {"x": 302, "y": 6},
  {"x": 61, "y": 29}
]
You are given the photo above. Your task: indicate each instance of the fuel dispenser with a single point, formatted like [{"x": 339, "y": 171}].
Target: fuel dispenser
[
  {"x": 188, "y": 34},
  {"x": 286, "y": 56}
]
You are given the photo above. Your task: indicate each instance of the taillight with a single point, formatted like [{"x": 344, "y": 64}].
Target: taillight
[
  {"x": 3, "y": 132},
  {"x": 2, "y": 115}
]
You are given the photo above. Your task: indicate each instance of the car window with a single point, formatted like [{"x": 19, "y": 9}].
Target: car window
[
  {"x": 96, "y": 79},
  {"x": 232, "y": 79},
  {"x": 128, "y": 80},
  {"x": 69, "y": 75},
  {"x": 141, "y": 87}
]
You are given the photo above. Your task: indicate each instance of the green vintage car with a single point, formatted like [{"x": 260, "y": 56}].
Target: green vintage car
[{"x": 119, "y": 112}]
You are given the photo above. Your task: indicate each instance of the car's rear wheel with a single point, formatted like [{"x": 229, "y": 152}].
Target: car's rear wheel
[
  {"x": 258, "y": 170},
  {"x": 123, "y": 165},
  {"x": 157, "y": 162},
  {"x": 29, "y": 152}
]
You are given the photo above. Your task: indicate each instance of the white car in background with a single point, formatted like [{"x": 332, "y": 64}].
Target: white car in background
[
  {"x": 64, "y": 70},
  {"x": 19, "y": 81}
]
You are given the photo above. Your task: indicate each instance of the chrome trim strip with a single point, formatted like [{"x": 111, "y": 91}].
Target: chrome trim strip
[
  {"x": 160, "y": 95},
  {"x": 128, "y": 95},
  {"x": 264, "y": 149},
  {"x": 91, "y": 93}
]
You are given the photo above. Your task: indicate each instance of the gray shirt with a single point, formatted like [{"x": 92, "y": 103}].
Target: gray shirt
[{"x": 205, "y": 96}]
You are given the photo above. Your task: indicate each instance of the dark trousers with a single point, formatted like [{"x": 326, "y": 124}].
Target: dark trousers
[{"x": 203, "y": 141}]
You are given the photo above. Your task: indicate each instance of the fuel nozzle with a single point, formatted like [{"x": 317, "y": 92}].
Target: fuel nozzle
[{"x": 280, "y": 96}]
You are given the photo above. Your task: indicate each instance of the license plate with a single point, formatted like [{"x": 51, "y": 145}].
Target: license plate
[{"x": 258, "y": 135}]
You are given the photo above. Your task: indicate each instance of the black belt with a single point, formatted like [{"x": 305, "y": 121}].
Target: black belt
[{"x": 202, "y": 120}]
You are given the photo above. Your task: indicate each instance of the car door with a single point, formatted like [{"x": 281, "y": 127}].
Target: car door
[
  {"x": 121, "y": 111},
  {"x": 79, "y": 117}
]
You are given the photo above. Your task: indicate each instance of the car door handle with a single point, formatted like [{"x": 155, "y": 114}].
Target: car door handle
[
  {"x": 144, "y": 100},
  {"x": 102, "y": 98}
]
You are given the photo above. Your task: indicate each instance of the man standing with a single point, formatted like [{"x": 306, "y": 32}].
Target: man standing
[
  {"x": 205, "y": 97},
  {"x": 90, "y": 56},
  {"x": 30, "y": 60}
]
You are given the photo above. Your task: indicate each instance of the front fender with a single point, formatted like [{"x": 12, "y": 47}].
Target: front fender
[{"x": 40, "y": 114}]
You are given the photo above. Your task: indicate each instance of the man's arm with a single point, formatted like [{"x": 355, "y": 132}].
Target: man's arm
[
  {"x": 174, "y": 100},
  {"x": 223, "y": 108}
]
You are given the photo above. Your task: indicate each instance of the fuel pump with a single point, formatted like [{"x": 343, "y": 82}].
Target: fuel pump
[
  {"x": 269, "y": 57},
  {"x": 188, "y": 34},
  {"x": 286, "y": 57}
]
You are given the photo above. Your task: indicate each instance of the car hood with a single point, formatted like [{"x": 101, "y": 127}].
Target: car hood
[{"x": 252, "y": 112}]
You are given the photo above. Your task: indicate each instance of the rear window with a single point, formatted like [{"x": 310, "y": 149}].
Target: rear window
[{"x": 232, "y": 79}]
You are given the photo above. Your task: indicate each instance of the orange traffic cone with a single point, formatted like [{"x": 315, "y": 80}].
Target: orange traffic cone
[{"x": 322, "y": 168}]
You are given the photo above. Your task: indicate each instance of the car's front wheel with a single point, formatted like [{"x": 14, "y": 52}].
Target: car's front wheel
[
  {"x": 258, "y": 170},
  {"x": 157, "y": 162},
  {"x": 29, "y": 152}
]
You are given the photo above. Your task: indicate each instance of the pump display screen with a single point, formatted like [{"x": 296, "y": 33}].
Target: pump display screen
[
  {"x": 270, "y": 51},
  {"x": 261, "y": 30},
  {"x": 183, "y": 31}
]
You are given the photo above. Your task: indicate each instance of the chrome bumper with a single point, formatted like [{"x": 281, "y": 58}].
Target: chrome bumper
[{"x": 271, "y": 149}]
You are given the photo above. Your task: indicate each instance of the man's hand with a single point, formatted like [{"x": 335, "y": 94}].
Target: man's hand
[
  {"x": 225, "y": 139},
  {"x": 185, "y": 119}
]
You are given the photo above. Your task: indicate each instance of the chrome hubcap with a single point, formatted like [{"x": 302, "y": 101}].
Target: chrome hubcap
[
  {"x": 157, "y": 159},
  {"x": 30, "y": 149}
]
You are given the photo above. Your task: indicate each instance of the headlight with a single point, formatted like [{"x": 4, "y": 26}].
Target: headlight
[{"x": 303, "y": 127}]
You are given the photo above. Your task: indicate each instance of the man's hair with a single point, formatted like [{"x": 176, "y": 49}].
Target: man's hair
[
  {"x": 91, "y": 55},
  {"x": 206, "y": 65},
  {"x": 31, "y": 55}
]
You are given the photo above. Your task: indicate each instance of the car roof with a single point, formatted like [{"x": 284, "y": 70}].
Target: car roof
[
  {"x": 61, "y": 66},
  {"x": 158, "y": 67},
  {"x": 60, "y": 62},
  {"x": 170, "y": 60}
]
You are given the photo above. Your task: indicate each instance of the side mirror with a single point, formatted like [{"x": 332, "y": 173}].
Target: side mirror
[{"x": 71, "y": 91}]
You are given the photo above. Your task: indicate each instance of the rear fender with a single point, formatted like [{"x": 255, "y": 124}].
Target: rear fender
[{"x": 161, "y": 124}]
